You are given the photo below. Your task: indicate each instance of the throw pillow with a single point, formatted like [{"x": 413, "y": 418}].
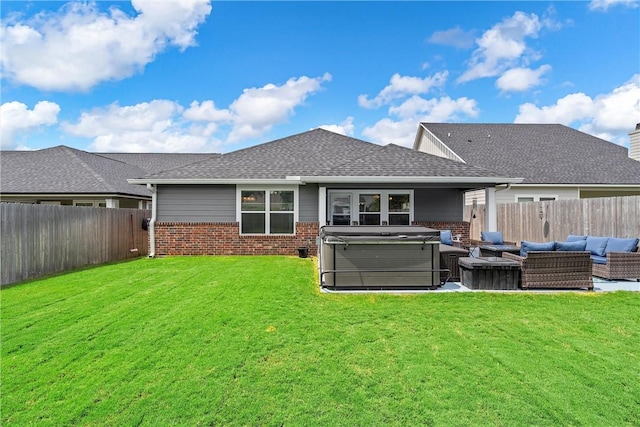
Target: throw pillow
[
  {"x": 445, "y": 237},
  {"x": 597, "y": 245},
  {"x": 615, "y": 244},
  {"x": 578, "y": 245},
  {"x": 535, "y": 246},
  {"x": 495, "y": 237},
  {"x": 574, "y": 238}
]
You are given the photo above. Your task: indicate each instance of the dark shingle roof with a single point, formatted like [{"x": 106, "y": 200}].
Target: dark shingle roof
[
  {"x": 541, "y": 153},
  {"x": 157, "y": 162},
  {"x": 322, "y": 153},
  {"x": 64, "y": 170}
]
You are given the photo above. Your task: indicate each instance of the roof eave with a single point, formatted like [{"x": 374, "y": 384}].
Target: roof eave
[
  {"x": 202, "y": 181},
  {"x": 410, "y": 179}
]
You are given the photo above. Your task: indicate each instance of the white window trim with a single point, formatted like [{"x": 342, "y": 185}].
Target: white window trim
[
  {"x": 355, "y": 201},
  {"x": 536, "y": 197},
  {"x": 95, "y": 203},
  {"x": 266, "y": 189}
]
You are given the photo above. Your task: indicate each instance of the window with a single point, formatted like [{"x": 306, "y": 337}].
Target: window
[
  {"x": 399, "y": 209},
  {"x": 370, "y": 207},
  {"x": 534, "y": 198},
  {"x": 90, "y": 203},
  {"x": 267, "y": 211}
]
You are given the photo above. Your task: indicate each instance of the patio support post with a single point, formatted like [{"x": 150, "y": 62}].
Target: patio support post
[
  {"x": 491, "y": 214},
  {"x": 322, "y": 206}
]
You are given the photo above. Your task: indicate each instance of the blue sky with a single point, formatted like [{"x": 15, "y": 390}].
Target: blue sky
[{"x": 201, "y": 76}]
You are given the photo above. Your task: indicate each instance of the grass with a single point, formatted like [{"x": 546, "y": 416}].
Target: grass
[{"x": 251, "y": 341}]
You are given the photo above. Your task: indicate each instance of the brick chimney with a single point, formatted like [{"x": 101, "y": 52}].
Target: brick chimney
[{"x": 634, "y": 143}]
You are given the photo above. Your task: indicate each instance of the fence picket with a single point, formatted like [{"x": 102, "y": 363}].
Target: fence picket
[{"x": 42, "y": 239}]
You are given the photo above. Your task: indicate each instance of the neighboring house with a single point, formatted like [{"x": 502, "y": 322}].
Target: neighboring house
[
  {"x": 556, "y": 161},
  {"x": 274, "y": 197},
  {"x": 634, "y": 143},
  {"x": 65, "y": 176}
]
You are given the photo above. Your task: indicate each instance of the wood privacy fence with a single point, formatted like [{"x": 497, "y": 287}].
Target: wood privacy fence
[
  {"x": 555, "y": 220},
  {"x": 42, "y": 239}
]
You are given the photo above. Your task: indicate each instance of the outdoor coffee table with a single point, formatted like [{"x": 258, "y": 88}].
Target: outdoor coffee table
[
  {"x": 493, "y": 273},
  {"x": 496, "y": 250}
]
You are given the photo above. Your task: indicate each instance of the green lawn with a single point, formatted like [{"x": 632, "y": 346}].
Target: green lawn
[{"x": 252, "y": 341}]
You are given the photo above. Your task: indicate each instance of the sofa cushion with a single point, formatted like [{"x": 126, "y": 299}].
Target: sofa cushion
[
  {"x": 574, "y": 238},
  {"x": 495, "y": 237},
  {"x": 599, "y": 259},
  {"x": 597, "y": 245},
  {"x": 535, "y": 246},
  {"x": 615, "y": 244},
  {"x": 445, "y": 237},
  {"x": 577, "y": 245}
]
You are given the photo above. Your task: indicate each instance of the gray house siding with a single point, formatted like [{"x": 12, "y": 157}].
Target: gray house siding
[
  {"x": 308, "y": 197},
  {"x": 438, "y": 204},
  {"x": 430, "y": 204},
  {"x": 196, "y": 203},
  {"x": 217, "y": 203}
]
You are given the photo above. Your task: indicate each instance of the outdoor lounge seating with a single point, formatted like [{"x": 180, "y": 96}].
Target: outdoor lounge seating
[
  {"x": 554, "y": 269},
  {"x": 613, "y": 258},
  {"x": 450, "y": 254},
  {"x": 492, "y": 243}
]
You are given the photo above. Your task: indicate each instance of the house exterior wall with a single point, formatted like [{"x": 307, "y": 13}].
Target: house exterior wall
[
  {"x": 429, "y": 144},
  {"x": 122, "y": 202},
  {"x": 223, "y": 238},
  {"x": 308, "y": 197},
  {"x": 634, "y": 143},
  {"x": 560, "y": 193},
  {"x": 196, "y": 203},
  {"x": 438, "y": 204},
  {"x": 201, "y": 220}
]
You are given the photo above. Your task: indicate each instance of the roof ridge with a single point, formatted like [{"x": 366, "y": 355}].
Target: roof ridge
[
  {"x": 74, "y": 152},
  {"x": 348, "y": 161}
]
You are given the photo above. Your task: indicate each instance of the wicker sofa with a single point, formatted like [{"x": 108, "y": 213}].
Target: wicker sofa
[
  {"x": 613, "y": 258},
  {"x": 554, "y": 270}
]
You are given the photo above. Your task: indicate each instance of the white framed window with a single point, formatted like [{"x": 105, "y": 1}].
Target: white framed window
[
  {"x": 370, "y": 207},
  {"x": 523, "y": 198},
  {"x": 262, "y": 210},
  {"x": 90, "y": 203}
]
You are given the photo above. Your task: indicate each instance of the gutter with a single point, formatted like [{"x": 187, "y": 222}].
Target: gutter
[{"x": 152, "y": 223}]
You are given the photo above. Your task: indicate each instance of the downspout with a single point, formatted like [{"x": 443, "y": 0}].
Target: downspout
[{"x": 152, "y": 222}]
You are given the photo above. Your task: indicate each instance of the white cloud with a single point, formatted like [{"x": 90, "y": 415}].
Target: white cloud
[
  {"x": 614, "y": 113},
  {"x": 521, "y": 79},
  {"x": 166, "y": 126},
  {"x": 16, "y": 119},
  {"x": 415, "y": 110},
  {"x": 401, "y": 86},
  {"x": 344, "y": 128},
  {"x": 80, "y": 46},
  {"x": 436, "y": 109},
  {"x": 388, "y": 131},
  {"x": 206, "y": 111},
  {"x": 258, "y": 109},
  {"x": 455, "y": 37},
  {"x": 504, "y": 46},
  {"x": 154, "y": 126},
  {"x": 604, "y": 5}
]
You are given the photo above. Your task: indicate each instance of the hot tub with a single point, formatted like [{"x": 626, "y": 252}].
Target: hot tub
[{"x": 379, "y": 257}]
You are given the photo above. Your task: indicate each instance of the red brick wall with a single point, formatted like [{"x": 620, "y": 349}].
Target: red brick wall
[
  {"x": 223, "y": 238},
  {"x": 456, "y": 227}
]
